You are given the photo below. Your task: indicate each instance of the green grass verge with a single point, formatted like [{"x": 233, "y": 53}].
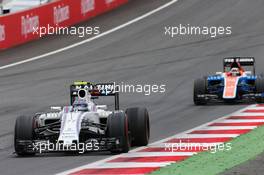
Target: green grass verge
[{"x": 244, "y": 147}]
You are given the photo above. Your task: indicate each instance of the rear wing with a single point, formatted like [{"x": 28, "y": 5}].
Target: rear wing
[
  {"x": 243, "y": 61},
  {"x": 96, "y": 91}
]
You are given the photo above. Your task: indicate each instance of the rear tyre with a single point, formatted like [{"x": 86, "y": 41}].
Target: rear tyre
[
  {"x": 139, "y": 128},
  {"x": 24, "y": 131},
  {"x": 200, "y": 88},
  {"x": 259, "y": 89},
  {"x": 117, "y": 127}
]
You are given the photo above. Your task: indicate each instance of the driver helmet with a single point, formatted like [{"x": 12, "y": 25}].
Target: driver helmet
[
  {"x": 80, "y": 105},
  {"x": 235, "y": 71}
]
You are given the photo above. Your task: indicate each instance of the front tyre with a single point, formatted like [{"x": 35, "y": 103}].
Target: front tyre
[
  {"x": 24, "y": 131},
  {"x": 138, "y": 122},
  {"x": 259, "y": 89},
  {"x": 117, "y": 127},
  {"x": 200, "y": 88}
]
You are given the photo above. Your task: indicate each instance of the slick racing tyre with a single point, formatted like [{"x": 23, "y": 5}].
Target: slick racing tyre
[
  {"x": 259, "y": 89},
  {"x": 200, "y": 88},
  {"x": 24, "y": 131},
  {"x": 139, "y": 128},
  {"x": 117, "y": 127}
]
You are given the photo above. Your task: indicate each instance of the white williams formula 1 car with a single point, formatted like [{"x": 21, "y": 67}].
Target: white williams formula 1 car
[{"x": 83, "y": 126}]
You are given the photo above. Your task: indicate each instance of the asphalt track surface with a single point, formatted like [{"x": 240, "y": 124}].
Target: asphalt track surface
[
  {"x": 137, "y": 54},
  {"x": 251, "y": 167}
]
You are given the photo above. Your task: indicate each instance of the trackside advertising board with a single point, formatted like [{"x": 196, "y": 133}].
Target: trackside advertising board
[{"x": 21, "y": 27}]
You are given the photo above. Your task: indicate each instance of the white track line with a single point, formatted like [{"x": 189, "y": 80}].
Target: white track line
[
  {"x": 249, "y": 114},
  {"x": 168, "y": 146},
  {"x": 258, "y": 108},
  {"x": 242, "y": 120},
  {"x": 207, "y": 136},
  {"x": 228, "y": 127},
  {"x": 129, "y": 165},
  {"x": 158, "y": 154},
  {"x": 93, "y": 38}
]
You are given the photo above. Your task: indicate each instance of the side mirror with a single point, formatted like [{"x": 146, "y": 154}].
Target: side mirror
[
  {"x": 56, "y": 108},
  {"x": 248, "y": 73},
  {"x": 102, "y": 107}
]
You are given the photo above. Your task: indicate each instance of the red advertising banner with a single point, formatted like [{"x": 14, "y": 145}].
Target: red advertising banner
[{"x": 22, "y": 27}]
